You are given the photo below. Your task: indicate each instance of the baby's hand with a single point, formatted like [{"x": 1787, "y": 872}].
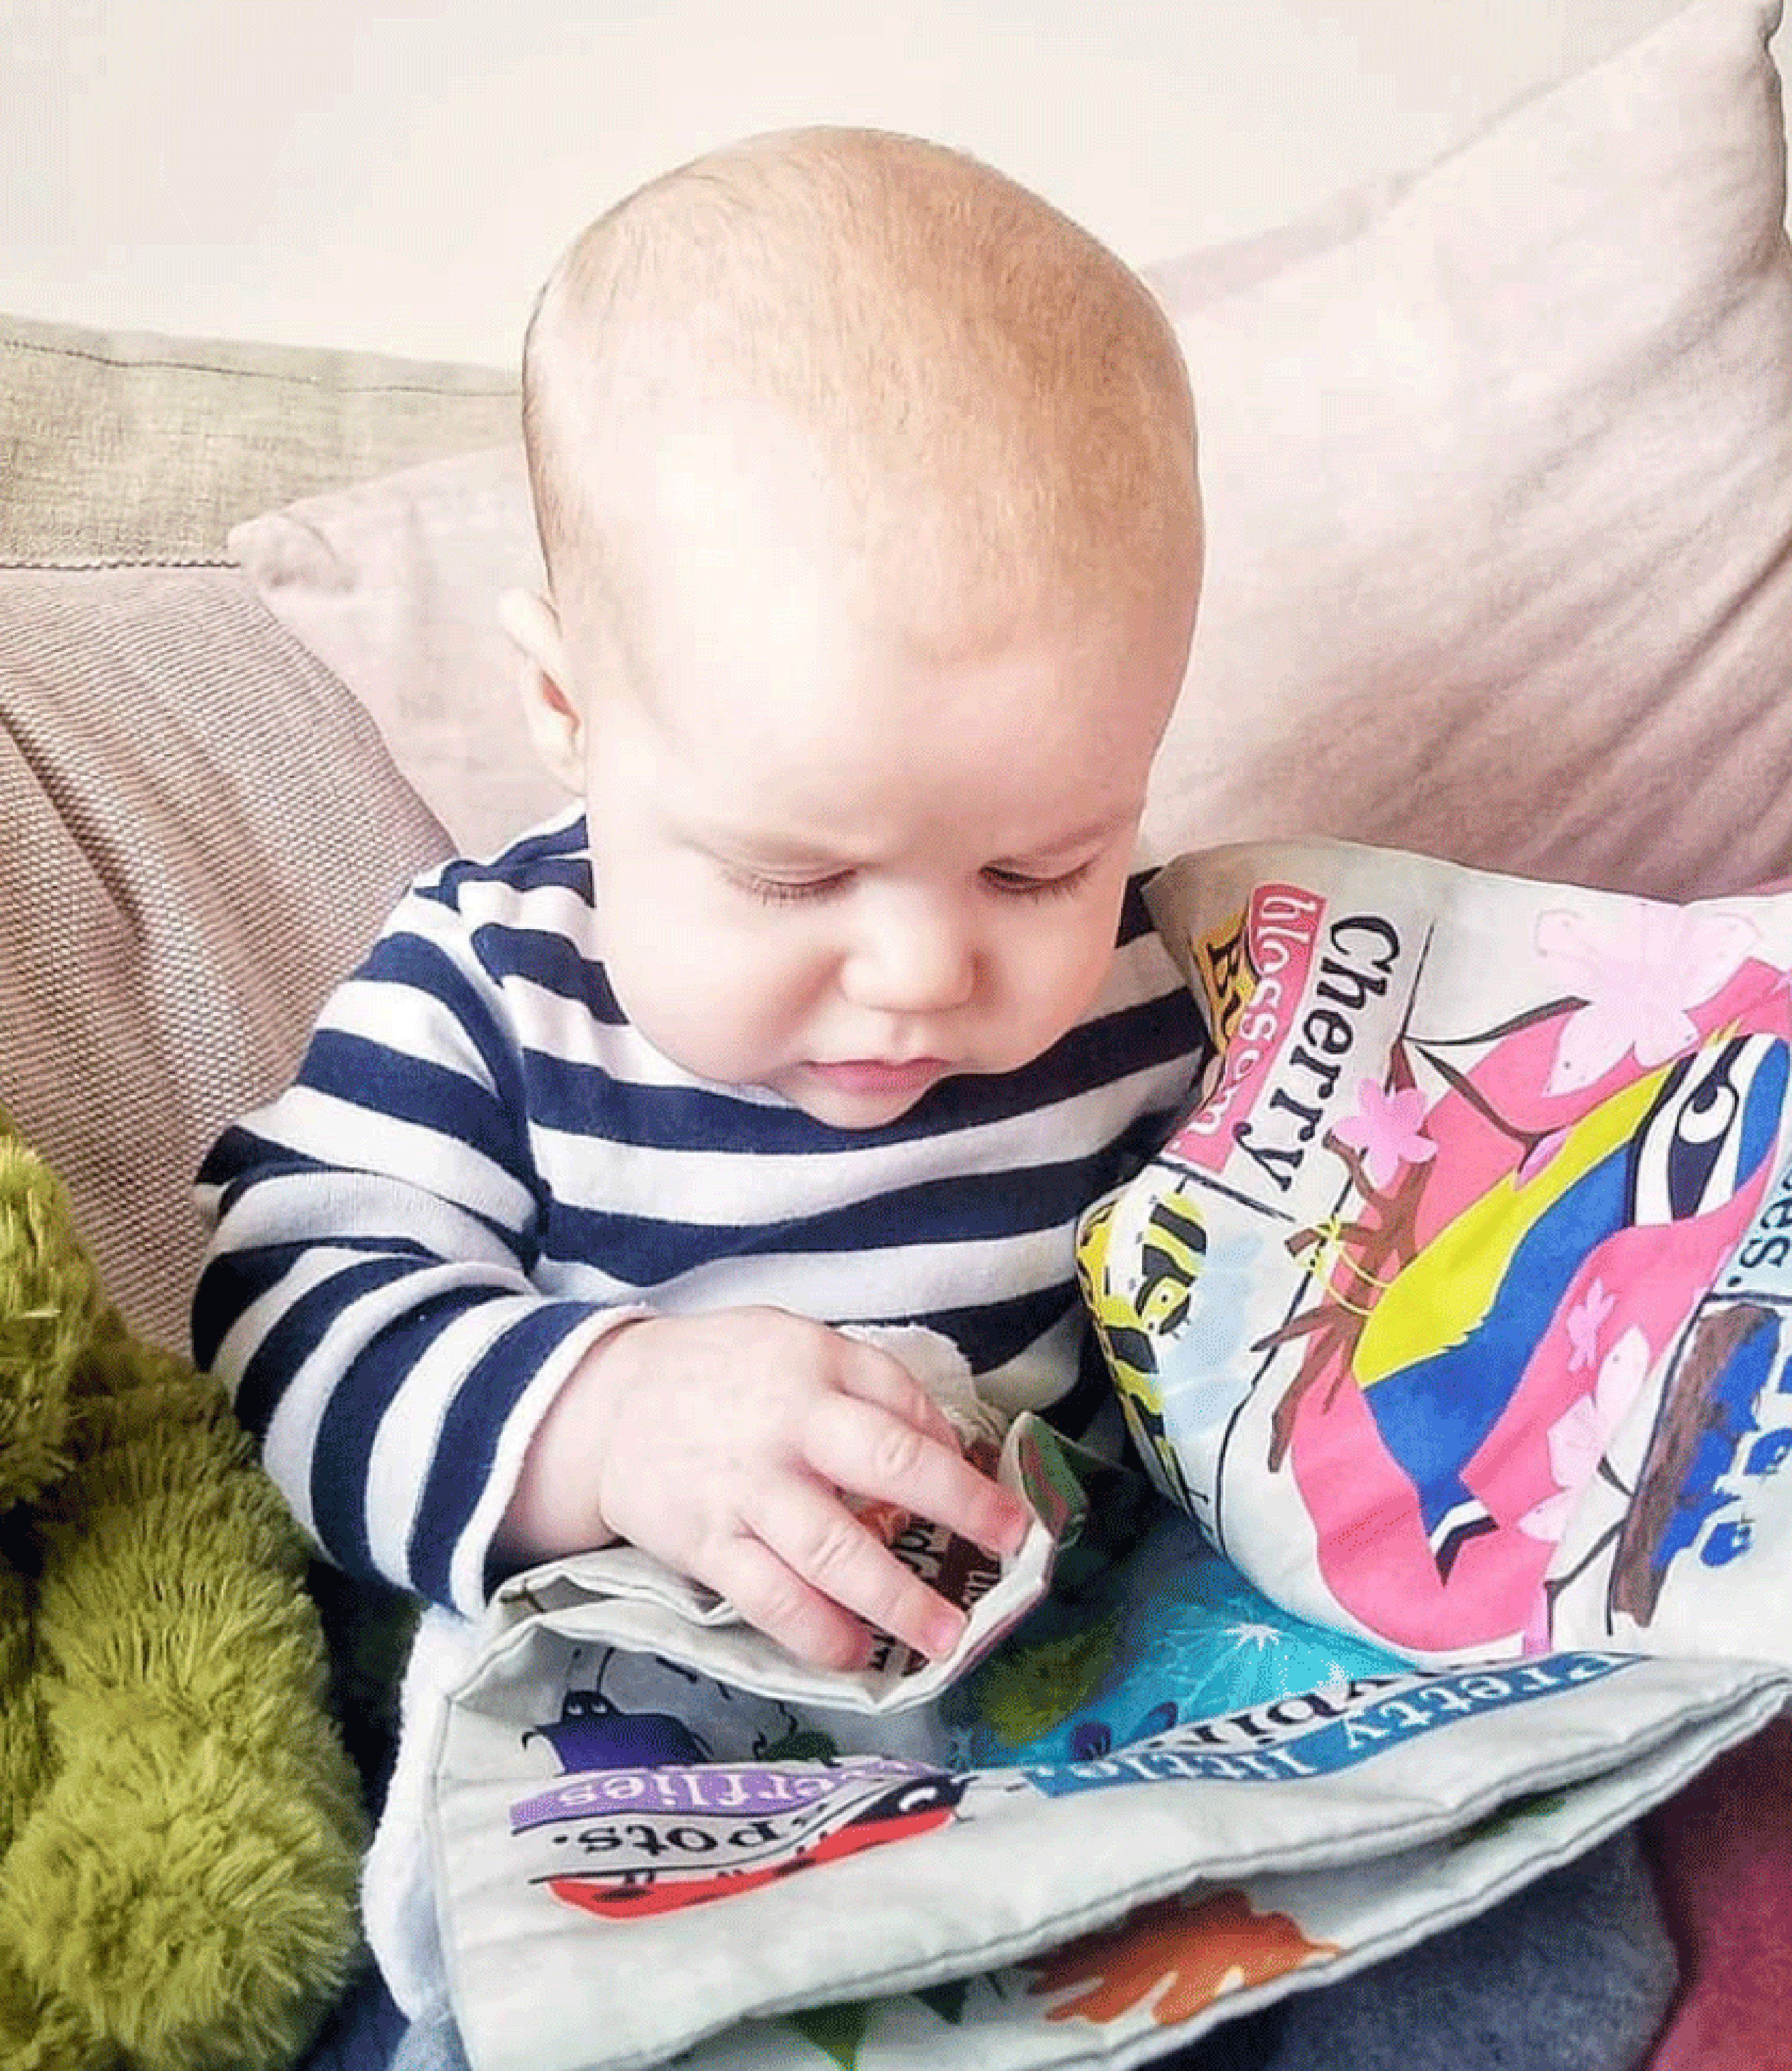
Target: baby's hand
[{"x": 733, "y": 1446}]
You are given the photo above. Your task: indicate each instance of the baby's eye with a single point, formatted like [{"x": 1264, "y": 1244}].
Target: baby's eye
[
  {"x": 788, "y": 890},
  {"x": 1023, "y": 884}
]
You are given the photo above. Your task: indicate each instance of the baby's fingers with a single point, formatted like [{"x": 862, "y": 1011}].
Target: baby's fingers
[
  {"x": 769, "y": 1594},
  {"x": 873, "y": 1376},
  {"x": 863, "y": 1449},
  {"x": 829, "y": 1551}
]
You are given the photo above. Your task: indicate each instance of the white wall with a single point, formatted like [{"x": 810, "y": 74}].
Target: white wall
[{"x": 399, "y": 176}]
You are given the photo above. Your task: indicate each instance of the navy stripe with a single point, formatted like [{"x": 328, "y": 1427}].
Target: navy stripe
[
  {"x": 352, "y": 1420},
  {"x": 583, "y": 1100},
  {"x": 240, "y": 1154},
  {"x": 1135, "y": 919},
  {"x": 240, "y": 1160},
  {"x": 233, "y": 1281},
  {"x": 993, "y": 1332},
  {"x": 462, "y": 1466},
  {"x": 293, "y": 1340},
  {"x": 568, "y": 1096},
  {"x": 364, "y": 1074},
  {"x": 643, "y": 1251},
  {"x": 426, "y": 968},
  {"x": 555, "y": 856},
  {"x": 1165, "y": 1030},
  {"x": 1090, "y": 1394},
  {"x": 551, "y": 961}
]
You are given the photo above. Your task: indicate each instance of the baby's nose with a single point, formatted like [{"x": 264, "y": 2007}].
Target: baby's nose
[{"x": 912, "y": 955}]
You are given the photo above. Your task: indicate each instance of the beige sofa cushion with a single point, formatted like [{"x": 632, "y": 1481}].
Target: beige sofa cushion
[
  {"x": 117, "y": 447},
  {"x": 1500, "y": 496},
  {"x": 200, "y": 832}
]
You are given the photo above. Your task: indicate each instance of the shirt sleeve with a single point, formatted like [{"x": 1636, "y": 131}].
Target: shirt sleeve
[{"x": 367, "y": 1294}]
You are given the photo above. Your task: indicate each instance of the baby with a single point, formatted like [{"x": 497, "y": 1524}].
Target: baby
[{"x": 867, "y": 487}]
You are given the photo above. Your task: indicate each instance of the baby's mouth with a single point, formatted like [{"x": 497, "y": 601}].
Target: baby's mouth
[{"x": 880, "y": 1075}]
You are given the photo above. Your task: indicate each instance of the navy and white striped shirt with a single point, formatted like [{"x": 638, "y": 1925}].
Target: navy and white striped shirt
[{"x": 482, "y": 1166}]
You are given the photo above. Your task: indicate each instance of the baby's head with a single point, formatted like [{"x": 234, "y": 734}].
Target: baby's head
[{"x": 867, "y": 486}]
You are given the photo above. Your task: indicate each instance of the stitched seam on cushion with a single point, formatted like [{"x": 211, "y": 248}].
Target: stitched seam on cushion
[
  {"x": 100, "y": 567},
  {"x": 258, "y": 373}
]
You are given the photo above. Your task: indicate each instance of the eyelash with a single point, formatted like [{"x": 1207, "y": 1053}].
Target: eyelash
[
  {"x": 783, "y": 891},
  {"x": 1013, "y": 887}
]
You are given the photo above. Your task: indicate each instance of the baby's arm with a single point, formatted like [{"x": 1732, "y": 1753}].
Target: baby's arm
[
  {"x": 368, "y": 1294},
  {"x": 730, "y": 1445}
]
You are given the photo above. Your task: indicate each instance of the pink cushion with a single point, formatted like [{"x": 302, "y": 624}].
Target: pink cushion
[{"x": 1499, "y": 466}]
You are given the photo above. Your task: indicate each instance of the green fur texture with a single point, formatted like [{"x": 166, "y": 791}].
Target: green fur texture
[{"x": 180, "y": 1828}]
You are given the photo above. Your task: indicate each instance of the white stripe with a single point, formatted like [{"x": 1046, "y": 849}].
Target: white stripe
[
  {"x": 404, "y": 1448},
  {"x": 550, "y": 909},
  {"x": 408, "y": 1023},
  {"x": 1038, "y": 1376},
  {"x": 405, "y": 1444},
  {"x": 336, "y": 1207},
  {"x": 291, "y": 1435},
  {"x": 466, "y": 1579},
  {"x": 286, "y": 1444},
  {"x": 1142, "y": 971},
  {"x": 714, "y": 1188},
  {"x": 319, "y": 1124},
  {"x": 241, "y": 1342}
]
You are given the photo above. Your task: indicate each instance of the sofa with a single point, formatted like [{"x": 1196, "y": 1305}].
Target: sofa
[{"x": 1498, "y": 459}]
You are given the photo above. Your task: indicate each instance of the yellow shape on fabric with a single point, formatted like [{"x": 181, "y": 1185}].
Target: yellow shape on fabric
[{"x": 1443, "y": 1296}]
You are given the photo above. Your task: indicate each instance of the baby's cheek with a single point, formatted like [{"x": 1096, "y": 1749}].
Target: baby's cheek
[
  {"x": 731, "y": 1004},
  {"x": 1067, "y": 981},
  {"x": 666, "y": 985}
]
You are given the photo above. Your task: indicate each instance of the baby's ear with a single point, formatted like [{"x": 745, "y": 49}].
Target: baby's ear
[{"x": 556, "y": 723}]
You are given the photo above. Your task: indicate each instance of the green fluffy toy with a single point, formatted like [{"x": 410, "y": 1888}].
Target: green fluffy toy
[{"x": 180, "y": 1827}]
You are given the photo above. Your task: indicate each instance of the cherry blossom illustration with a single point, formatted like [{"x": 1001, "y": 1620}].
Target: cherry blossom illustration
[
  {"x": 1386, "y": 1129},
  {"x": 1584, "y": 1321},
  {"x": 1639, "y": 971},
  {"x": 1580, "y": 1437}
]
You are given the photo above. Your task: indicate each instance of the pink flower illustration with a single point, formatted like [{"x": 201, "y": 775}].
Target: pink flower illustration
[
  {"x": 1585, "y": 1320},
  {"x": 1579, "y": 1437},
  {"x": 1639, "y": 970},
  {"x": 1386, "y": 1129}
]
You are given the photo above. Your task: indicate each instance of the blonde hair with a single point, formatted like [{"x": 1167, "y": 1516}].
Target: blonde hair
[{"x": 977, "y": 371}]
